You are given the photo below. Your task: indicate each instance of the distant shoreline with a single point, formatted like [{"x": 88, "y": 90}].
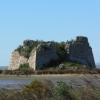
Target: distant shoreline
[{"x": 3, "y": 67}]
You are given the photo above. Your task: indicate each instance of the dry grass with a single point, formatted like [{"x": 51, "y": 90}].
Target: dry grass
[
  {"x": 93, "y": 71},
  {"x": 89, "y": 92}
]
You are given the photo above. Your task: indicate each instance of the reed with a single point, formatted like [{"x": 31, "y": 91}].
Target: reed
[{"x": 46, "y": 90}]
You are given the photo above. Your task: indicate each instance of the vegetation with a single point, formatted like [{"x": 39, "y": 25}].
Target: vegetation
[
  {"x": 49, "y": 71},
  {"x": 46, "y": 90},
  {"x": 60, "y": 48},
  {"x": 25, "y": 51},
  {"x": 24, "y": 66},
  {"x": 70, "y": 41},
  {"x": 54, "y": 65}
]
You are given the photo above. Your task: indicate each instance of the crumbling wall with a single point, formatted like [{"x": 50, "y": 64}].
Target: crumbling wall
[
  {"x": 44, "y": 54},
  {"x": 39, "y": 56},
  {"x": 80, "y": 51},
  {"x": 32, "y": 59},
  {"x": 16, "y": 60}
]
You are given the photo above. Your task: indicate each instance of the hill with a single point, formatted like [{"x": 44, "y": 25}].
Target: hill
[
  {"x": 3, "y": 67},
  {"x": 98, "y": 63}
]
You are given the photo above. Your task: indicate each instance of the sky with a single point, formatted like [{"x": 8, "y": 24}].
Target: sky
[{"x": 58, "y": 20}]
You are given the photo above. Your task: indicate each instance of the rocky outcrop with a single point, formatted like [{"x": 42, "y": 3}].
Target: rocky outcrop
[
  {"x": 62, "y": 66},
  {"x": 80, "y": 51}
]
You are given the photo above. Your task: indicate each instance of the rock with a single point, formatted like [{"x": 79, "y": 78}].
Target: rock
[
  {"x": 49, "y": 45},
  {"x": 85, "y": 67},
  {"x": 62, "y": 66},
  {"x": 76, "y": 68},
  {"x": 79, "y": 51}
]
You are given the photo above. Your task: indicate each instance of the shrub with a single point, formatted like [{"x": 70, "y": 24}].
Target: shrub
[
  {"x": 41, "y": 90},
  {"x": 60, "y": 49},
  {"x": 19, "y": 49},
  {"x": 25, "y": 51},
  {"x": 63, "y": 91},
  {"x": 24, "y": 66},
  {"x": 70, "y": 41},
  {"x": 46, "y": 90}
]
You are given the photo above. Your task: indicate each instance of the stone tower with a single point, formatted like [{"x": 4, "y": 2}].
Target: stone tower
[{"x": 80, "y": 51}]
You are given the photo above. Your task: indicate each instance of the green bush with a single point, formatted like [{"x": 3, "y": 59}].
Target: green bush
[
  {"x": 19, "y": 49},
  {"x": 24, "y": 66},
  {"x": 26, "y": 51},
  {"x": 63, "y": 91},
  {"x": 41, "y": 90},
  {"x": 70, "y": 41},
  {"x": 60, "y": 49}
]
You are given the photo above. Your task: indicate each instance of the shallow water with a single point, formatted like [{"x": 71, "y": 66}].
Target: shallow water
[
  {"x": 19, "y": 83},
  {"x": 15, "y": 82}
]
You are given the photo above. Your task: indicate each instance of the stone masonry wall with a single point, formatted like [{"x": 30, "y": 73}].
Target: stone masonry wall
[
  {"x": 16, "y": 60},
  {"x": 32, "y": 59},
  {"x": 80, "y": 51},
  {"x": 45, "y": 54},
  {"x": 41, "y": 55}
]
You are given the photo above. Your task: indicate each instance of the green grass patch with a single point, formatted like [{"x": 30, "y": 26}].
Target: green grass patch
[{"x": 68, "y": 66}]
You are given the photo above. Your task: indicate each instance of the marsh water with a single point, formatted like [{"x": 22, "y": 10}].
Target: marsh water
[{"x": 18, "y": 82}]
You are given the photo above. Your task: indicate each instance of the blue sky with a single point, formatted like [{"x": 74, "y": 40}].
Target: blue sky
[{"x": 57, "y": 20}]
